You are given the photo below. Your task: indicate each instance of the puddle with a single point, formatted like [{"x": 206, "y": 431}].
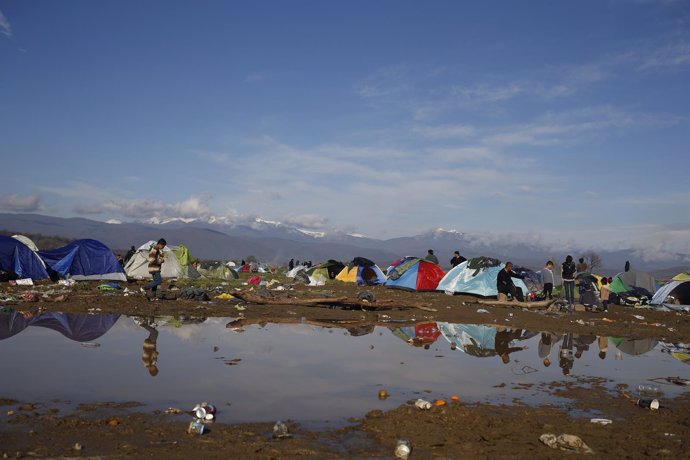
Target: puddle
[{"x": 302, "y": 372}]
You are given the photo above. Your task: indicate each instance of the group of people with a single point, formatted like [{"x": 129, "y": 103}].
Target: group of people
[{"x": 292, "y": 264}]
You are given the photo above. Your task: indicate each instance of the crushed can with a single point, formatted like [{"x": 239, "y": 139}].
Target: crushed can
[{"x": 196, "y": 427}]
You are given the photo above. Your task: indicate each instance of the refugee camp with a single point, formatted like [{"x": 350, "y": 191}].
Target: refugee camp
[{"x": 344, "y": 230}]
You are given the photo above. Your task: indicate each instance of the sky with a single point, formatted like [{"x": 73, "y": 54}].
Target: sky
[{"x": 562, "y": 121}]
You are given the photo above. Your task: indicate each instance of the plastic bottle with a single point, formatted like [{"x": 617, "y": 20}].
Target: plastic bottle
[{"x": 403, "y": 449}]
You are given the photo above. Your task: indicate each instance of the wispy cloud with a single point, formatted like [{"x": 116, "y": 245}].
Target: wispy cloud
[
  {"x": 192, "y": 207},
  {"x": 444, "y": 131},
  {"x": 26, "y": 203},
  {"x": 5, "y": 26}
]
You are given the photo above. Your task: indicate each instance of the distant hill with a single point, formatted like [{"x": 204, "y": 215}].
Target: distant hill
[{"x": 277, "y": 243}]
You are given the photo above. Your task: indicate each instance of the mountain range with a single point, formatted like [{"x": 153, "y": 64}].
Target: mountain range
[{"x": 276, "y": 243}]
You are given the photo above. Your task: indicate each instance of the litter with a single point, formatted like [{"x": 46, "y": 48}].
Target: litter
[
  {"x": 601, "y": 421},
  {"x": 567, "y": 442},
  {"x": 24, "y": 282},
  {"x": 403, "y": 449},
  {"x": 482, "y": 310},
  {"x": 280, "y": 430},
  {"x": 640, "y": 317}
]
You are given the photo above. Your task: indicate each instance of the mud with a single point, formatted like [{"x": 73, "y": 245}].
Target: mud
[{"x": 455, "y": 430}]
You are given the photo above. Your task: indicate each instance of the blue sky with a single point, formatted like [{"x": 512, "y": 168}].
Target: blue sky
[{"x": 564, "y": 121}]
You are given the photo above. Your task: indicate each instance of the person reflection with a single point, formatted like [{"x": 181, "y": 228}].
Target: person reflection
[
  {"x": 150, "y": 353},
  {"x": 546, "y": 343},
  {"x": 582, "y": 343},
  {"x": 566, "y": 358},
  {"x": 503, "y": 340},
  {"x": 603, "y": 346}
]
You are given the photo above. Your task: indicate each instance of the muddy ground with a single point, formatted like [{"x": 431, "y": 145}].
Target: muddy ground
[{"x": 456, "y": 430}]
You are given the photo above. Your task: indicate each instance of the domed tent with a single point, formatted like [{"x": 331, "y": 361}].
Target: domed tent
[
  {"x": 84, "y": 260},
  {"x": 674, "y": 295},
  {"x": 27, "y": 241},
  {"x": 184, "y": 257},
  {"x": 328, "y": 270},
  {"x": 138, "y": 265},
  {"x": 361, "y": 271},
  {"x": 422, "y": 334},
  {"x": 475, "y": 340},
  {"x": 414, "y": 274},
  {"x": 634, "y": 278},
  {"x": 476, "y": 276},
  {"x": 17, "y": 258}
]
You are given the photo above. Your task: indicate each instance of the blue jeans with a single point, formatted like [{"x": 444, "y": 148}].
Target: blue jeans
[
  {"x": 569, "y": 291},
  {"x": 153, "y": 285}
]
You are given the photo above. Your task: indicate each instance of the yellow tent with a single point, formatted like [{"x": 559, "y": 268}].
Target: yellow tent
[
  {"x": 348, "y": 274},
  {"x": 682, "y": 277}
]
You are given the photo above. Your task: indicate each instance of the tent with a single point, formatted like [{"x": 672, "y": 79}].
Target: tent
[
  {"x": 84, "y": 260},
  {"x": 674, "y": 295},
  {"x": 17, "y": 258},
  {"x": 183, "y": 255},
  {"x": 617, "y": 285},
  {"x": 414, "y": 274},
  {"x": 682, "y": 277},
  {"x": 361, "y": 271},
  {"x": 328, "y": 270},
  {"x": 27, "y": 241},
  {"x": 466, "y": 278},
  {"x": 634, "y": 278},
  {"x": 138, "y": 266}
]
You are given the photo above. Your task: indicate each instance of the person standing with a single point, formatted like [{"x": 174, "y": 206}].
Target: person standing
[
  {"x": 430, "y": 257},
  {"x": 156, "y": 260},
  {"x": 604, "y": 294},
  {"x": 291, "y": 264},
  {"x": 581, "y": 265},
  {"x": 457, "y": 259},
  {"x": 568, "y": 270},
  {"x": 547, "y": 280},
  {"x": 505, "y": 285}
]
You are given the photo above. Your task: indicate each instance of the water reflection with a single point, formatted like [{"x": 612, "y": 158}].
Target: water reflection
[
  {"x": 77, "y": 327},
  {"x": 302, "y": 371}
]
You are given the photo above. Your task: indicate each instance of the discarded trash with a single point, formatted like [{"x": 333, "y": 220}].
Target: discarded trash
[
  {"x": 439, "y": 402},
  {"x": 422, "y": 404},
  {"x": 77, "y": 446},
  {"x": 383, "y": 394},
  {"x": 455, "y": 398},
  {"x": 90, "y": 344},
  {"x": 568, "y": 442},
  {"x": 225, "y": 296},
  {"x": 652, "y": 404},
  {"x": 24, "y": 282},
  {"x": 619, "y": 355},
  {"x": 366, "y": 295},
  {"x": 482, "y": 310},
  {"x": 648, "y": 390},
  {"x": 196, "y": 427},
  {"x": 403, "y": 449},
  {"x": 640, "y": 317},
  {"x": 280, "y": 430},
  {"x": 31, "y": 297},
  {"x": 601, "y": 421},
  {"x": 204, "y": 411},
  {"x": 173, "y": 410}
]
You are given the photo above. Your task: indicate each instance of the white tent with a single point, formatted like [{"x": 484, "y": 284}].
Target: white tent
[{"x": 138, "y": 266}]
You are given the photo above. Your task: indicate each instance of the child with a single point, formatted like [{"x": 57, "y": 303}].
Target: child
[
  {"x": 604, "y": 294},
  {"x": 547, "y": 278}
]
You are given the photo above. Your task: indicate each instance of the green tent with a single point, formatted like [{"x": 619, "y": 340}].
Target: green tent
[
  {"x": 183, "y": 255},
  {"x": 617, "y": 285}
]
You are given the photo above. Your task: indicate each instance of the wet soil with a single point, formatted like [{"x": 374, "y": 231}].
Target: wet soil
[{"x": 455, "y": 430}]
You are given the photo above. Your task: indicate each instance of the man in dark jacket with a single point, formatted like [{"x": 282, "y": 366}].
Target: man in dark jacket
[
  {"x": 504, "y": 282},
  {"x": 457, "y": 259}
]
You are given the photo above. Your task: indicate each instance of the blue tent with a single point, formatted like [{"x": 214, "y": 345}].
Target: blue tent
[
  {"x": 16, "y": 257},
  {"x": 473, "y": 339},
  {"x": 84, "y": 260},
  {"x": 414, "y": 274},
  {"x": 482, "y": 281}
]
